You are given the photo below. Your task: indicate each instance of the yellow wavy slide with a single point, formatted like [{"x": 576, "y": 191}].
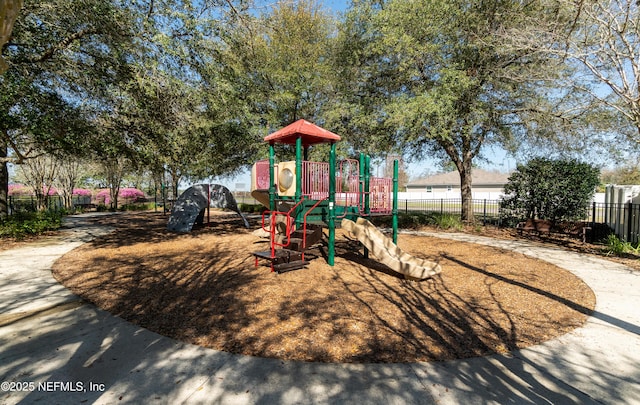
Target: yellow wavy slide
[{"x": 389, "y": 253}]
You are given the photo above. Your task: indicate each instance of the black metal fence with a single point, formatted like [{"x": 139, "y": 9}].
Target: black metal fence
[
  {"x": 603, "y": 218},
  {"x": 53, "y": 202},
  {"x": 487, "y": 211},
  {"x": 621, "y": 219}
]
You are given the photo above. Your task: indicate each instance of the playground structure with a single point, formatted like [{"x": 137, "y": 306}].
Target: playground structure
[
  {"x": 303, "y": 197},
  {"x": 388, "y": 253},
  {"x": 190, "y": 207}
]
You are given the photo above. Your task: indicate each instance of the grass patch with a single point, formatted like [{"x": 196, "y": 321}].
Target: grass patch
[
  {"x": 24, "y": 224},
  {"x": 137, "y": 207},
  {"x": 251, "y": 208},
  {"x": 416, "y": 220}
]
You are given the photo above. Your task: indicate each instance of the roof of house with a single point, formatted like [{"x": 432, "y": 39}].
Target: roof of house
[{"x": 478, "y": 177}]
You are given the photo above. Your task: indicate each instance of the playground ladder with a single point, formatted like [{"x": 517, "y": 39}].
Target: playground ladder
[{"x": 293, "y": 243}]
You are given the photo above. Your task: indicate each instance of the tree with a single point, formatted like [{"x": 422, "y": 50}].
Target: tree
[
  {"x": 597, "y": 42},
  {"x": 8, "y": 12},
  {"x": 62, "y": 55},
  {"x": 114, "y": 169},
  {"x": 403, "y": 177},
  {"x": 435, "y": 78},
  {"x": 69, "y": 171},
  {"x": 279, "y": 63},
  {"x": 626, "y": 174},
  {"x": 605, "y": 42},
  {"x": 551, "y": 189},
  {"x": 183, "y": 115},
  {"x": 39, "y": 173}
]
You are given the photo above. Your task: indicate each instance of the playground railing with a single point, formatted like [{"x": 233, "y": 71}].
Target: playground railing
[
  {"x": 315, "y": 179},
  {"x": 380, "y": 195},
  {"x": 272, "y": 226},
  {"x": 261, "y": 174}
]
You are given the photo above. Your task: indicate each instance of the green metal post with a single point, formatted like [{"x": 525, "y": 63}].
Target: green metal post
[
  {"x": 361, "y": 181},
  {"x": 299, "y": 212},
  {"x": 367, "y": 175},
  {"x": 394, "y": 206},
  {"x": 164, "y": 200},
  {"x": 332, "y": 202},
  {"x": 364, "y": 190},
  {"x": 272, "y": 177},
  {"x": 298, "y": 168}
]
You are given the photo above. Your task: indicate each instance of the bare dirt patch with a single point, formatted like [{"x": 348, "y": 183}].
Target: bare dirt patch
[{"x": 203, "y": 288}]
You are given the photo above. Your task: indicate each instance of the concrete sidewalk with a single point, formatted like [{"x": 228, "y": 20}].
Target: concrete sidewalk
[{"x": 73, "y": 352}]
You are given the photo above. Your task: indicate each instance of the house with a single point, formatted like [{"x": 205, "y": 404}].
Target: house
[{"x": 485, "y": 185}]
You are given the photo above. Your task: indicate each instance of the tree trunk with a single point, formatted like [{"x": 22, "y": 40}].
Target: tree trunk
[
  {"x": 4, "y": 182},
  {"x": 41, "y": 204},
  {"x": 114, "y": 190},
  {"x": 175, "y": 183},
  {"x": 466, "y": 192},
  {"x": 464, "y": 164}
]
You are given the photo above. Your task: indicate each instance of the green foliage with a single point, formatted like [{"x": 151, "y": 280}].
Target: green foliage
[
  {"x": 137, "y": 207},
  {"x": 251, "y": 208},
  {"x": 29, "y": 223},
  {"x": 551, "y": 189},
  {"x": 278, "y": 64},
  {"x": 618, "y": 247},
  {"x": 439, "y": 79},
  {"x": 447, "y": 221},
  {"x": 627, "y": 174},
  {"x": 63, "y": 56},
  {"x": 415, "y": 220}
]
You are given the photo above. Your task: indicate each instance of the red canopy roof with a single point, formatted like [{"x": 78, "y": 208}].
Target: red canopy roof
[{"x": 311, "y": 134}]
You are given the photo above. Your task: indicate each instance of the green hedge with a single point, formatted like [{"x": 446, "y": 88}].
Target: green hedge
[
  {"x": 23, "y": 224},
  {"x": 414, "y": 220},
  {"x": 251, "y": 208}
]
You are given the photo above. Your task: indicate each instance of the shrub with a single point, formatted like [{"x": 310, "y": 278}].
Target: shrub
[
  {"x": 82, "y": 192},
  {"x": 137, "y": 207},
  {"x": 447, "y": 220},
  {"x": 250, "y": 208},
  {"x": 103, "y": 197},
  {"x": 130, "y": 195},
  {"x": 19, "y": 190},
  {"x": 414, "y": 220},
  {"x": 550, "y": 189},
  {"x": 30, "y": 223},
  {"x": 618, "y": 247}
]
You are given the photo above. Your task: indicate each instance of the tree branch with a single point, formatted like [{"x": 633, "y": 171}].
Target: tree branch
[{"x": 48, "y": 54}]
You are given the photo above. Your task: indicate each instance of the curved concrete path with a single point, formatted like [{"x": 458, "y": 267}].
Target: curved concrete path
[{"x": 73, "y": 352}]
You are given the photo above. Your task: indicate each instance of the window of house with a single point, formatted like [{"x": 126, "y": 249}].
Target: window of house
[
  {"x": 449, "y": 188},
  {"x": 429, "y": 189}
]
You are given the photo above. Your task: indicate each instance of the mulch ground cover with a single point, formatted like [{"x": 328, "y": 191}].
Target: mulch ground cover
[{"x": 204, "y": 288}]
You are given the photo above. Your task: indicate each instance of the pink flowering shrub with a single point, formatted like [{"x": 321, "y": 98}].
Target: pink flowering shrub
[
  {"x": 82, "y": 192},
  {"x": 103, "y": 196},
  {"x": 128, "y": 194},
  {"x": 52, "y": 191},
  {"x": 19, "y": 190},
  {"x": 131, "y": 194}
]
